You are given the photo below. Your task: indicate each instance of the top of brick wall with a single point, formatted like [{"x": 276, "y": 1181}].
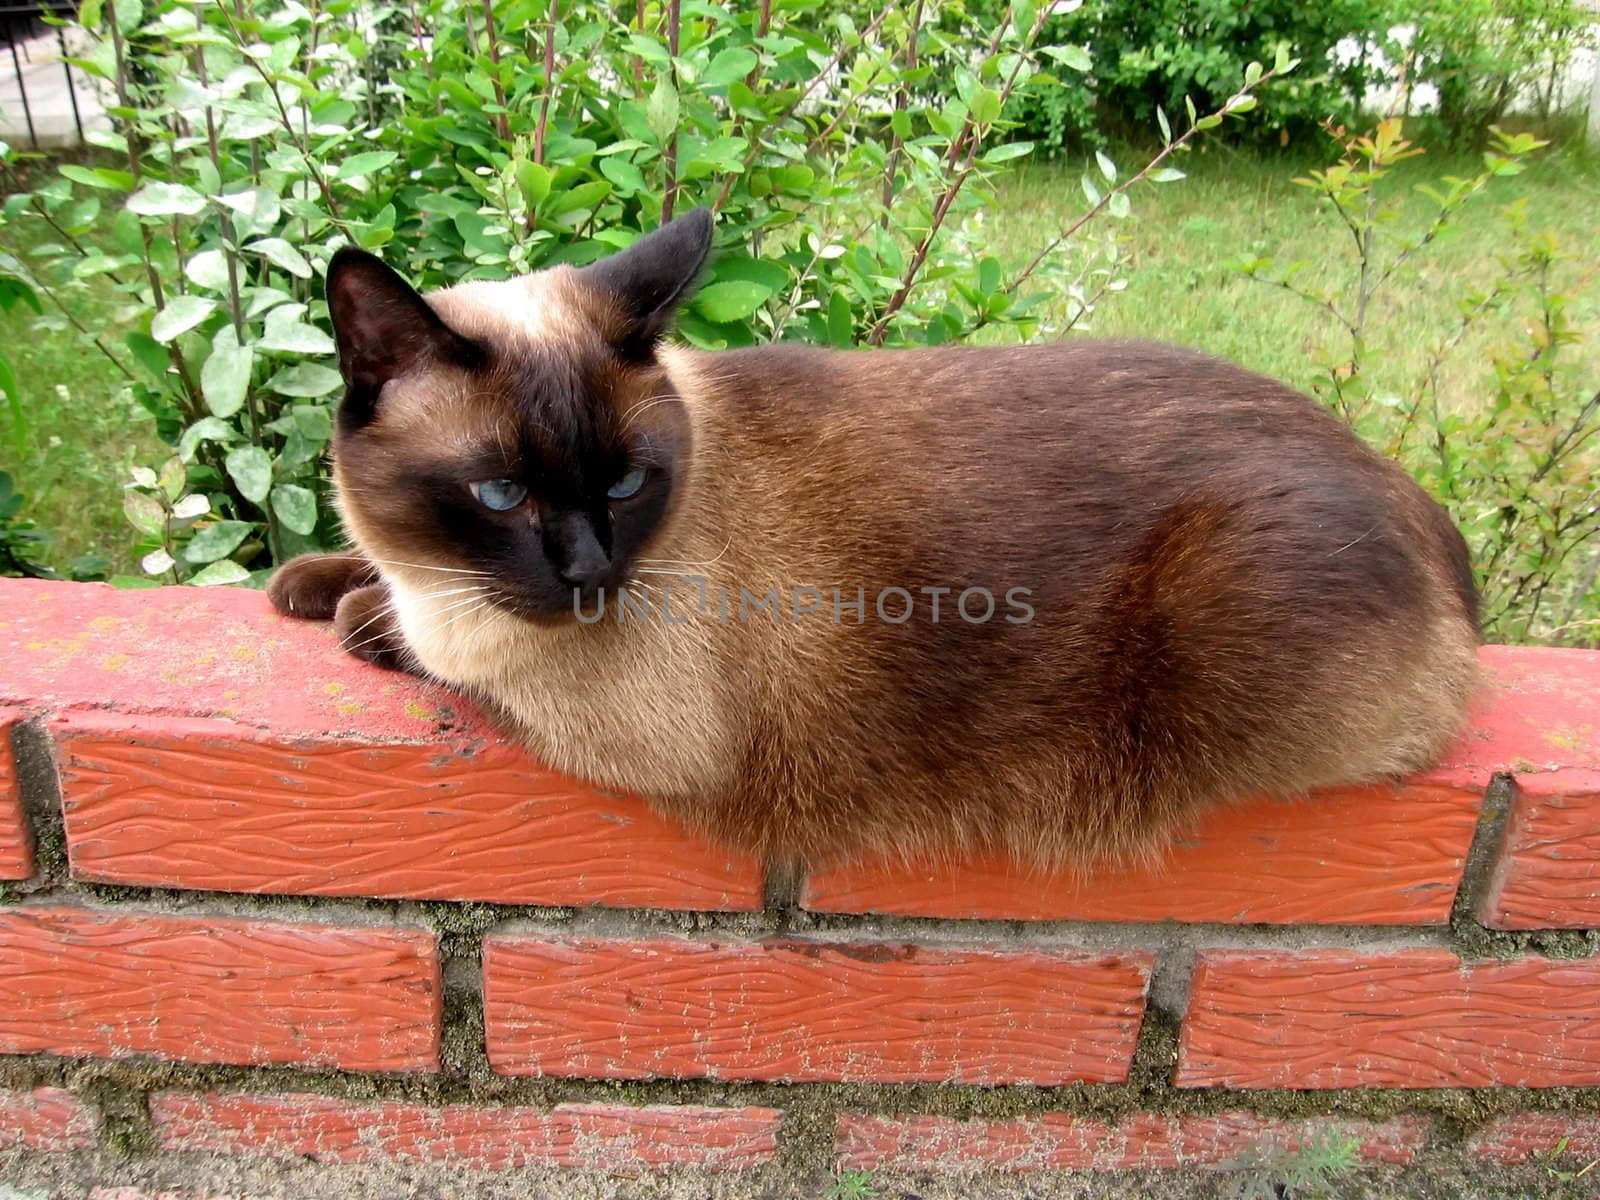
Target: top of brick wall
[
  {"x": 198, "y": 652},
  {"x": 223, "y": 652},
  {"x": 197, "y": 731}
]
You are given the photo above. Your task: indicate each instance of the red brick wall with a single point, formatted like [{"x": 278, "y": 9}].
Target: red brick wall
[{"x": 276, "y": 857}]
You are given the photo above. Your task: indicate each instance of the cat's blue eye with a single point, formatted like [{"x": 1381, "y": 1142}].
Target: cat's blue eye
[
  {"x": 499, "y": 495},
  {"x": 628, "y": 485}
]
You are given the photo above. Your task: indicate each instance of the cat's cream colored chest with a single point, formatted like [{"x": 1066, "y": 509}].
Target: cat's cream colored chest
[{"x": 641, "y": 705}]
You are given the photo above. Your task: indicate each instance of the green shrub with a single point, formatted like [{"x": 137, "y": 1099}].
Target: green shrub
[
  {"x": 1520, "y": 471},
  {"x": 1140, "y": 56},
  {"x": 256, "y": 139},
  {"x": 1483, "y": 55}
]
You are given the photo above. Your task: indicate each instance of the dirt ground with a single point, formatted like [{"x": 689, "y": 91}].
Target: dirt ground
[{"x": 35, "y": 1176}]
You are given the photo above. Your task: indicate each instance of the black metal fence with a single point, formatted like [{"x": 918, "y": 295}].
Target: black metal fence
[{"x": 22, "y": 26}]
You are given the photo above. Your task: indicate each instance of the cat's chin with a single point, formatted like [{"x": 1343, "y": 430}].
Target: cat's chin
[{"x": 545, "y": 613}]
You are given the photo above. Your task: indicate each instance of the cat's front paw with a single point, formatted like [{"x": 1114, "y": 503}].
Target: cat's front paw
[
  {"x": 368, "y": 628},
  {"x": 312, "y": 585}
]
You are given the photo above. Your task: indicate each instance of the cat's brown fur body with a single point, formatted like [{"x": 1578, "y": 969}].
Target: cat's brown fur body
[{"x": 1230, "y": 595}]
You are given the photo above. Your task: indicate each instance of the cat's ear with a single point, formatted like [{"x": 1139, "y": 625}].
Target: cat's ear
[
  {"x": 652, "y": 277},
  {"x": 384, "y": 330}
]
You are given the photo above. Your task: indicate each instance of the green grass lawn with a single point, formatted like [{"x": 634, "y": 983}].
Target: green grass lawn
[
  {"x": 80, "y": 431},
  {"x": 1184, "y": 237}
]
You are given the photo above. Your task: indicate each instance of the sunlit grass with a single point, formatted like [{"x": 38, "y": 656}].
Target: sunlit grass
[
  {"x": 1184, "y": 236},
  {"x": 80, "y": 428}
]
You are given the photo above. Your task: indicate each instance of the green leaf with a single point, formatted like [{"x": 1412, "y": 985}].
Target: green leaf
[
  {"x": 900, "y": 122},
  {"x": 173, "y": 477},
  {"x": 144, "y": 513},
  {"x": 219, "y": 573},
  {"x": 216, "y": 541},
  {"x": 296, "y": 338},
  {"x": 1107, "y": 167},
  {"x": 1252, "y": 74},
  {"x": 308, "y": 380},
  {"x": 628, "y": 178},
  {"x": 364, "y": 163},
  {"x": 281, "y": 253},
  {"x": 181, "y": 314},
  {"x": 251, "y": 469},
  {"x": 841, "y": 321},
  {"x": 1119, "y": 206},
  {"x": 208, "y": 269},
  {"x": 1008, "y": 152},
  {"x": 985, "y": 106},
  {"x": 313, "y": 422},
  {"x": 1075, "y": 58},
  {"x": 534, "y": 181},
  {"x": 731, "y": 300},
  {"x": 206, "y": 429},
  {"x": 662, "y": 111},
  {"x": 296, "y": 507},
  {"x": 101, "y": 177},
  {"x": 191, "y": 506},
  {"x": 988, "y": 275},
  {"x": 728, "y": 66},
  {"x": 166, "y": 200},
  {"x": 1166, "y": 175},
  {"x": 585, "y": 195},
  {"x": 225, "y": 378}
]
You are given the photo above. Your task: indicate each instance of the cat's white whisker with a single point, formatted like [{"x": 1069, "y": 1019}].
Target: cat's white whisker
[
  {"x": 383, "y": 610},
  {"x": 689, "y": 562},
  {"x": 382, "y": 633},
  {"x": 481, "y": 605}
]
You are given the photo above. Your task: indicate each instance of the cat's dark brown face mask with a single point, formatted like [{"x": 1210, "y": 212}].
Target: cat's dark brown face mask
[{"x": 521, "y": 434}]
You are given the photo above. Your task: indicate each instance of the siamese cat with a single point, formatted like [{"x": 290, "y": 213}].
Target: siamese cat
[{"x": 1047, "y": 601}]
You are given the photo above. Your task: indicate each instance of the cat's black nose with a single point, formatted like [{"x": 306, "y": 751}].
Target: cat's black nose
[
  {"x": 581, "y": 561},
  {"x": 586, "y": 581},
  {"x": 586, "y": 577}
]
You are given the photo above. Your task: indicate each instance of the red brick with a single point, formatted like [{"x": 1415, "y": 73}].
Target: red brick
[
  {"x": 206, "y": 989},
  {"x": 1537, "y": 711},
  {"x": 16, "y": 846},
  {"x": 1548, "y": 875},
  {"x": 174, "y": 802},
  {"x": 1140, "y": 1141},
  {"x": 1521, "y": 1136},
  {"x": 1389, "y": 855},
  {"x": 1404, "y": 1019},
  {"x": 46, "y": 1118},
  {"x": 213, "y": 652},
  {"x": 796, "y": 1010},
  {"x": 611, "y": 1137}
]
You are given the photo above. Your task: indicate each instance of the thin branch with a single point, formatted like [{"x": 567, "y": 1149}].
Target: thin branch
[
  {"x": 969, "y": 137},
  {"x": 549, "y": 81},
  {"x": 669, "y": 152},
  {"x": 1166, "y": 152},
  {"x": 902, "y": 102},
  {"x": 828, "y": 69},
  {"x": 295, "y": 135},
  {"x": 501, "y": 121}
]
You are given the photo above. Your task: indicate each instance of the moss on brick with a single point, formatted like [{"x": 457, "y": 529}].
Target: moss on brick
[{"x": 124, "y": 1113}]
